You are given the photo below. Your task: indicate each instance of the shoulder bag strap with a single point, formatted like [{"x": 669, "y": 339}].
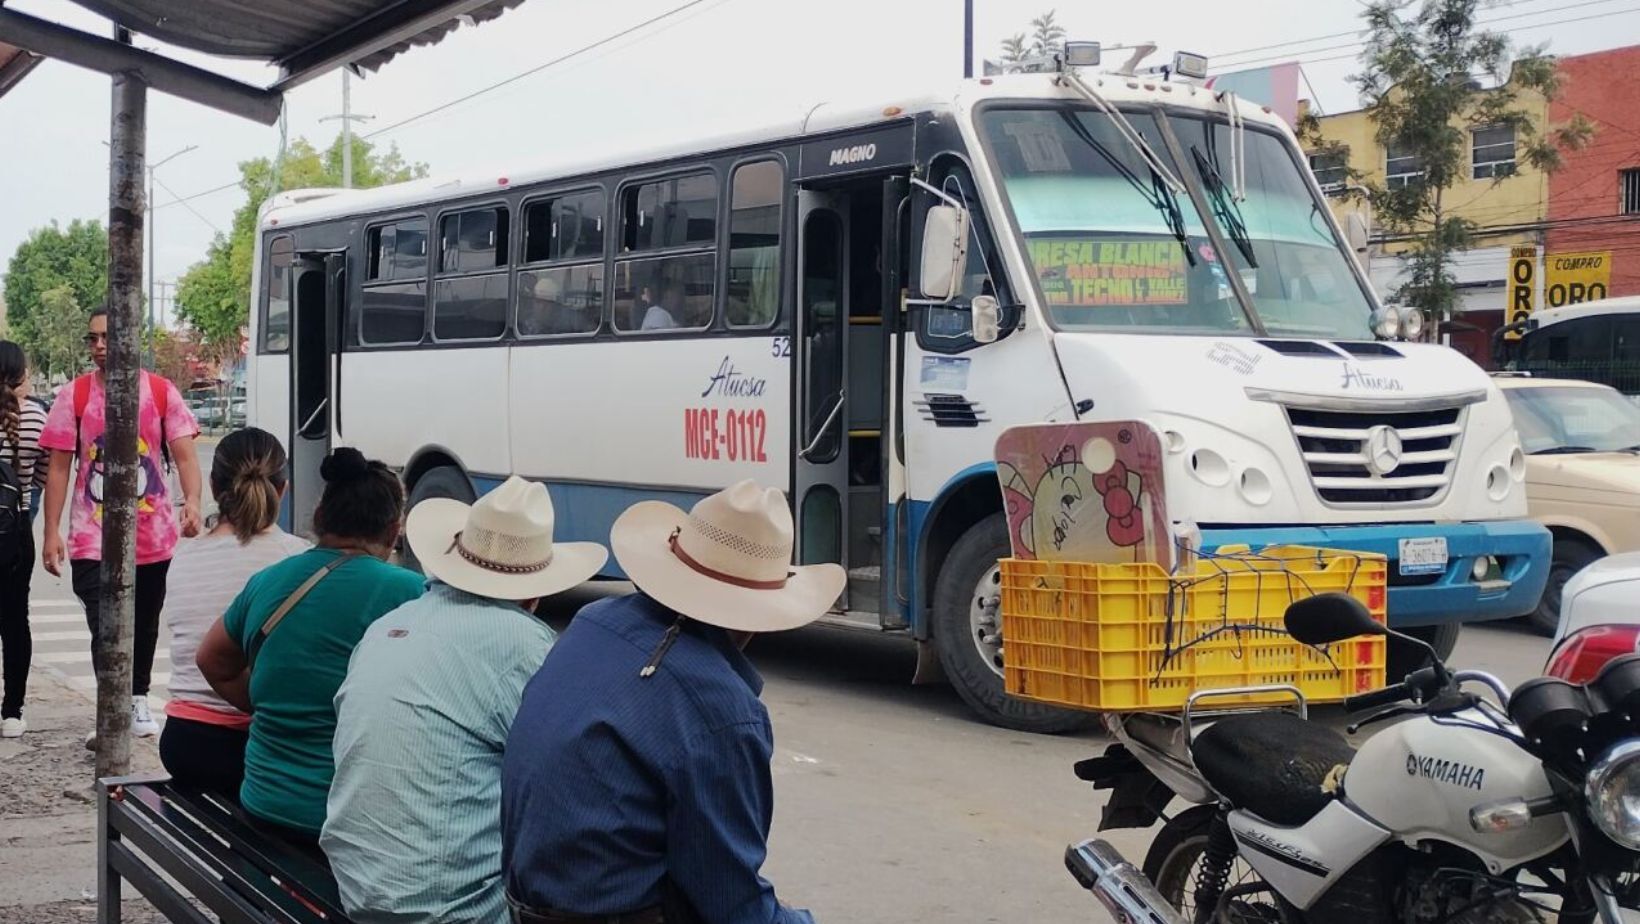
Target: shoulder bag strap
[{"x": 272, "y": 622}]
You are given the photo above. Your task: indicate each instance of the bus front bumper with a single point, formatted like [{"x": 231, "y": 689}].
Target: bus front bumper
[{"x": 1520, "y": 547}]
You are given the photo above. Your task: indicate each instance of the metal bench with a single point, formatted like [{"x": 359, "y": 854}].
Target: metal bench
[{"x": 159, "y": 837}]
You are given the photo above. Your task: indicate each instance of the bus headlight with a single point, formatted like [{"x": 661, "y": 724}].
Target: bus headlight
[
  {"x": 1412, "y": 324},
  {"x": 1386, "y": 322},
  {"x": 1613, "y": 793}
]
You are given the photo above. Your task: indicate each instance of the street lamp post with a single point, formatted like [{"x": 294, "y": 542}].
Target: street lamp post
[{"x": 152, "y": 268}]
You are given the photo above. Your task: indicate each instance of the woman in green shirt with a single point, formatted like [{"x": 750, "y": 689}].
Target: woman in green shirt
[{"x": 285, "y": 671}]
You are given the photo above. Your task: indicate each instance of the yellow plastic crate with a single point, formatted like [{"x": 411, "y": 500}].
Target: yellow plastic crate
[{"x": 1133, "y": 637}]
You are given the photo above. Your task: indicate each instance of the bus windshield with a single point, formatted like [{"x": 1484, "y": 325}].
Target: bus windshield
[{"x": 1114, "y": 247}]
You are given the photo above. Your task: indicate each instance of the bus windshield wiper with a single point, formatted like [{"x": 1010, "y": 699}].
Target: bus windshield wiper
[
  {"x": 1224, "y": 207},
  {"x": 1160, "y": 194},
  {"x": 1562, "y": 450}
]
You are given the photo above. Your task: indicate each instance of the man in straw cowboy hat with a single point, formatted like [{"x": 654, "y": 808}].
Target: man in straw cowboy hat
[
  {"x": 412, "y": 825},
  {"x": 636, "y": 785}
]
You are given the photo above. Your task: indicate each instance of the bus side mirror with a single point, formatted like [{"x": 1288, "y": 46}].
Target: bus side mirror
[
  {"x": 944, "y": 251},
  {"x": 987, "y": 316}
]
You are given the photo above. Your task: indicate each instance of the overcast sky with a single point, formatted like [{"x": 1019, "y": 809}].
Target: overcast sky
[{"x": 715, "y": 60}]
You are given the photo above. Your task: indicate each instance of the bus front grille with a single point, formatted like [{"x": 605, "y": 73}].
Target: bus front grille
[{"x": 1347, "y": 454}]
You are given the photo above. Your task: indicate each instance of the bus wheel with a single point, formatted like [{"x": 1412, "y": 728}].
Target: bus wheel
[
  {"x": 444, "y": 481},
  {"x": 968, "y": 633},
  {"x": 1404, "y": 658}
]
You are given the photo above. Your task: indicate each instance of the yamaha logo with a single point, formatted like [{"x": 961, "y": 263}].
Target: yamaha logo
[
  {"x": 858, "y": 154},
  {"x": 1383, "y": 450}
]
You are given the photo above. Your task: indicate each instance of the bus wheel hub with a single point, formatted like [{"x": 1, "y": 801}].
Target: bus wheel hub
[{"x": 985, "y": 617}]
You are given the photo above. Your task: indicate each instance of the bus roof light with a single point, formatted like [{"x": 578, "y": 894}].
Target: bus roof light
[
  {"x": 1081, "y": 54},
  {"x": 1189, "y": 65}
]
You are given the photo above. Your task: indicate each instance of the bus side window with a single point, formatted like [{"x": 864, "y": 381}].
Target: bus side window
[
  {"x": 665, "y": 276},
  {"x": 393, "y": 299},
  {"x": 753, "y": 297},
  {"x": 561, "y": 288},
  {"x": 276, "y": 319},
  {"x": 470, "y": 295}
]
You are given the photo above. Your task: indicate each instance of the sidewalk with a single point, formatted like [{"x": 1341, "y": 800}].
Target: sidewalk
[{"x": 48, "y": 813}]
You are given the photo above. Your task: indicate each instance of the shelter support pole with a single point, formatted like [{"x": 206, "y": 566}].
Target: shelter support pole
[{"x": 126, "y": 207}]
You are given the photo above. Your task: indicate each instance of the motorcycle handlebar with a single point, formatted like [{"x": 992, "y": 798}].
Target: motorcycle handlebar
[{"x": 1388, "y": 696}]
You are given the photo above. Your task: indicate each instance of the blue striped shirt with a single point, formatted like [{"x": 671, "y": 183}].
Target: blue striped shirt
[
  {"x": 413, "y": 829},
  {"x": 613, "y": 783}
]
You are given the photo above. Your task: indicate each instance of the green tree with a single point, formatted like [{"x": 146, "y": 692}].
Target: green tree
[
  {"x": 214, "y": 296},
  {"x": 60, "y": 321},
  {"x": 1047, "y": 36},
  {"x": 1421, "y": 89},
  {"x": 1014, "y": 52},
  {"x": 75, "y": 257}
]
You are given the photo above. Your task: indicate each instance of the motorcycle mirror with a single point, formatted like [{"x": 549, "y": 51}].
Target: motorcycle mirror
[{"x": 1327, "y": 618}]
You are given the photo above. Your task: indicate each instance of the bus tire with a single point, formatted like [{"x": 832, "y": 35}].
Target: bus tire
[
  {"x": 1403, "y": 657},
  {"x": 1570, "y": 557},
  {"x": 977, "y": 681},
  {"x": 444, "y": 481}
]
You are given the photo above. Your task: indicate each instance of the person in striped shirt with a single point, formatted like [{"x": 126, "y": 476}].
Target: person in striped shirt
[
  {"x": 203, "y": 744},
  {"x": 20, "y": 424}
]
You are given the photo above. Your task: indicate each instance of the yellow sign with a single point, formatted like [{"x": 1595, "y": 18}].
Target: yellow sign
[
  {"x": 1576, "y": 277},
  {"x": 1522, "y": 287},
  {"x": 1085, "y": 273}
]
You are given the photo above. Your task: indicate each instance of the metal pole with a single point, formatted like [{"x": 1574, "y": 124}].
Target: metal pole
[
  {"x": 148, "y": 339},
  {"x": 347, "y": 132},
  {"x": 126, "y": 165},
  {"x": 967, "y": 38}
]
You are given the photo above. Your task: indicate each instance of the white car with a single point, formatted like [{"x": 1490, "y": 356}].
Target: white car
[{"x": 1599, "y": 617}]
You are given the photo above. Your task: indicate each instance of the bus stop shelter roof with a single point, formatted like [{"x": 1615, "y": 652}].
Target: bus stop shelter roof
[
  {"x": 302, "y": 38},
  {"x": 15, "y": 63}
]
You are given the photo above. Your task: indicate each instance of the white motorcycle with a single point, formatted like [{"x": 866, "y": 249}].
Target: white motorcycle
[{"x": 1468, "y": 811}]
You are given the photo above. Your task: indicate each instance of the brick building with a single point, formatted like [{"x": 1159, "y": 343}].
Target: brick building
[{"x": 1593, "y": 216}]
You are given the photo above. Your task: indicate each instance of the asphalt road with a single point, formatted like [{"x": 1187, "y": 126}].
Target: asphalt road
[{"x": 894, "y": 804}]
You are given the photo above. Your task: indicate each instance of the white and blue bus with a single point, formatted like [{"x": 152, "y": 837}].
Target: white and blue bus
[{"x": 852, "y": 304}]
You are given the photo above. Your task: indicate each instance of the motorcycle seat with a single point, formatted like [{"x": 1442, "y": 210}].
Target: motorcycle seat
[{"x": 1272, "y": 764}]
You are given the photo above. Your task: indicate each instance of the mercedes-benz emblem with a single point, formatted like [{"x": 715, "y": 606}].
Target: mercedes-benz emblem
[{"x": 1383, "y": 450}]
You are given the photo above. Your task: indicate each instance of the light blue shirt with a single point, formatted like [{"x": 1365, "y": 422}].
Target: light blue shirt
[{"x": 413, "y": 827}]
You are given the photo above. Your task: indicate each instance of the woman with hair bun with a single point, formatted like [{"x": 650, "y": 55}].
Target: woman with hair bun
[
  {"x": 203, "y": 744},
  {"x": 281, "y": 648}
]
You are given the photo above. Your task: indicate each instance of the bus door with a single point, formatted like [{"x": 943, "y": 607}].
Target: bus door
[
  {"x": 848, "y": 293},
  {"x": 821, "y": 476},
  {"x": 318, "y": 286}
]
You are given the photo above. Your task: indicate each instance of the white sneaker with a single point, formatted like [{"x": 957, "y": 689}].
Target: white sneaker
[
  {"x": 142, "y": 722},
  {"x": 13, "y": 728}
]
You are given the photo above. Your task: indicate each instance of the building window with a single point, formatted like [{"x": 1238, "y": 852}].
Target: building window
[
  {"x": 470, "y": 294},
  {"x": 1631, "y": 191},
  {"x": 753, "y": 297},
  {"x": 1493, "y": 152},
  {"x": 1331, "y": 169},
  {"x": 666, "y": 273},
  {"x": 1401, "y": 167},
  {"x": 561, "y": 292}
]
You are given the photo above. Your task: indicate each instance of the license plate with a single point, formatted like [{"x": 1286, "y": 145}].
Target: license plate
[{"x": 1423, "y": 556}]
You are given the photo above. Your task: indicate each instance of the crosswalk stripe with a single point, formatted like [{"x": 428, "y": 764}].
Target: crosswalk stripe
[
  {"x": 37, "y": 618},
  {"x": 40, "y": 637},
  {"x": 81, "y": 656}
]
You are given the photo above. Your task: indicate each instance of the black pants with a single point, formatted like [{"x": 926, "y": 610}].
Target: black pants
[
  {"x": 16, "y": 642},
  {"x": 204, "y": 756},
  {"x": 87, "y": 575}
]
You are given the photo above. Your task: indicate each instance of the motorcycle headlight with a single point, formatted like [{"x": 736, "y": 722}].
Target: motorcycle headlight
[{"x": 1613, "y": 793}]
